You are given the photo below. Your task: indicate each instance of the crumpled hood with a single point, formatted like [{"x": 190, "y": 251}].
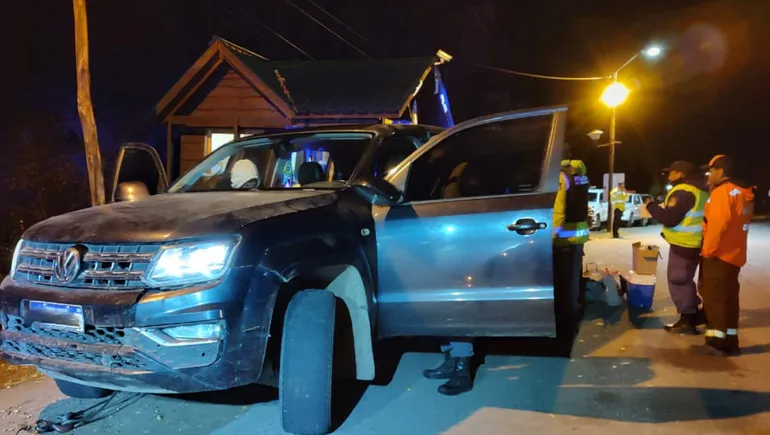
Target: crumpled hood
[{"x": 175, "y": 216}]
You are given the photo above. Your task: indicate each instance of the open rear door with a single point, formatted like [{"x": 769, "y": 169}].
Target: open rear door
[{"x": 138, "y": 173}]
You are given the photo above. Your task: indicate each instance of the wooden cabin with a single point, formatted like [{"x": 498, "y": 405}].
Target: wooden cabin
[{"x": 233, "y": 92}]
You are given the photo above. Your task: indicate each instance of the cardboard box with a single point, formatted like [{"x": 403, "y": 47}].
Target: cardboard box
[{"x": 645, "y": 258}]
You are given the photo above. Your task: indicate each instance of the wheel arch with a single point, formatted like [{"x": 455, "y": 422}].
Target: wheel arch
[{"x": 345, "y": 272}]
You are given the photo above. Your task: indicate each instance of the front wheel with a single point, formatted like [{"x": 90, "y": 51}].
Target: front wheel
[
  {"x": 79, "y": 391},
  {"x": 307, "y": 360},
  {"x": 630, "y": 222}
]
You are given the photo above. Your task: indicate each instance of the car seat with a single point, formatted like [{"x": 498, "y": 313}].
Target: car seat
[
  {"x": 310, "y": 172},
  {"x": 452, "y": 185}
]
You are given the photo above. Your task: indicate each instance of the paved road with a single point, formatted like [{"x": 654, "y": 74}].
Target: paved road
[{"x": 625, "y": 375}]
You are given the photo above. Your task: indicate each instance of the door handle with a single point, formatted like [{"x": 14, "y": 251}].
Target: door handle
[{"x": 527, "y": 226}]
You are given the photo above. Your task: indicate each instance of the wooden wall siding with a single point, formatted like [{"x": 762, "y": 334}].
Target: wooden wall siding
[
  {"x": 232, "y": 98},
  {"x": 191, "y": 150}
]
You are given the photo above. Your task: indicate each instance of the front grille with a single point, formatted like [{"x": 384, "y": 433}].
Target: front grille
[
  {"x": 105, "y": 359},
  {"x": 103, "y": 266},
  {"x": 92, "y": 334}
]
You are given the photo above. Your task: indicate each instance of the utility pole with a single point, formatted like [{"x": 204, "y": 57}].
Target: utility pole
[
  {"x": 611, "y": 211},
  {"x": 85, "y": 107}
]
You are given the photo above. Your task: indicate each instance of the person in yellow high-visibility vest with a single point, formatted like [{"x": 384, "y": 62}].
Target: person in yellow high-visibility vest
[
  {"x": 682, "y": 217},
  {"x": 570, "y": 233},
  {"x": 618, "y": 200}
]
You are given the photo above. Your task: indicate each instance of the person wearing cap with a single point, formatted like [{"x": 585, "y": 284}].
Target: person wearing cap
[
  {"x": 725, "y": 237},
  {"x": 681, "y": 215},
  {"x": 618, "y": 199}
]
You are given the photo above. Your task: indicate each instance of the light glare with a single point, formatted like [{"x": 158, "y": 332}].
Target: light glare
[
  {"x": 653, "y": 51},
  {"x": 191, "y": 263},
  {"x": 615, "y": 94}
]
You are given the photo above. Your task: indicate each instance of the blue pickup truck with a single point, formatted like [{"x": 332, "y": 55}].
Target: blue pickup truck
[{"x": 282, "y": 258}]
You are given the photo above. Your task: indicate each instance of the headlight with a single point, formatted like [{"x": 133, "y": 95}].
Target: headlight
[
  {"x": 191, "y": 263},
  {"x": 15, "y": 258}
]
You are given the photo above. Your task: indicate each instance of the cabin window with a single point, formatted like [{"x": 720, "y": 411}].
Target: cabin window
[{"x": 215, "y": 139}]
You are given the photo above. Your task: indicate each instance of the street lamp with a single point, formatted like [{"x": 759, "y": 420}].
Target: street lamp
[
  {"x": 653, "y": 51},
  {"x": 595, "y": 135},
  {"x": 613, "y": 96}
]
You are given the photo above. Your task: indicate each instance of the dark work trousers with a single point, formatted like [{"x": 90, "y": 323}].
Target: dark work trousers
[
  {"x": 719, "y": 287},
  {"x": 616, "y": 222},
  {"x": 459, "y": 349},
  {"x": 567, "y": 269},
  {"x": 682, "y": 264}
]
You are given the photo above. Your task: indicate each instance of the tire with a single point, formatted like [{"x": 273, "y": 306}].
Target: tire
[
  {"x": 630, "y": 222},
  {"x": 79, "y": 391},
  {"x": 307, "y": 361},
  {"x": 645, "y": 222}
]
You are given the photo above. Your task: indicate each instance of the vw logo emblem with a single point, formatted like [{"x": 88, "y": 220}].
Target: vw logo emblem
[{"x": 66, "y": 267}]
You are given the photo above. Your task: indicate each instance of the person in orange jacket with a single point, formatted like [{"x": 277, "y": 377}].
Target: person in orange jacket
[{"x": 725, "y": 236}]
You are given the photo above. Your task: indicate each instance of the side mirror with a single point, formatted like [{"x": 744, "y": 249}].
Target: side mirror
[
  {"x": 131, "y": 191},
  {"x": 378, "y": 191}
]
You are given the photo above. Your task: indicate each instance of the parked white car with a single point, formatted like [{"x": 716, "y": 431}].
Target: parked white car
[
  {"x": 633, "y": 214},
  {"x": 598, "y": 209}
]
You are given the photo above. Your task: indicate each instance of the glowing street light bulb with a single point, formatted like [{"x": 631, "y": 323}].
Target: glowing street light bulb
[
  {"x": 615, "y": 94},
  {"x": 653, "y": 51}
]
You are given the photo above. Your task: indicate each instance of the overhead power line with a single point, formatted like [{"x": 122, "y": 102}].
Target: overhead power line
[
  {"x": 537, "y": 76},
  {"x": 260, "y": 22},
  {"x": 326, "y": 27},
  {"x": 342, "y": 23}
]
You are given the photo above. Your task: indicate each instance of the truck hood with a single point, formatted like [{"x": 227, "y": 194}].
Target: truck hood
[{"x": 175, "y": 216}]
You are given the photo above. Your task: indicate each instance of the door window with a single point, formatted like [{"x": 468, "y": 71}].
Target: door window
[
  {"x": 391, "y": 152},
  {"x": 498, "y": 158}
]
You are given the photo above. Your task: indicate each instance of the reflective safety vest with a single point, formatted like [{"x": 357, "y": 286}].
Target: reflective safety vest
[
  {"x": 571, "y": 208},
  {"x": 618, "y": 199},
  {"x": 689, "y": 232}
]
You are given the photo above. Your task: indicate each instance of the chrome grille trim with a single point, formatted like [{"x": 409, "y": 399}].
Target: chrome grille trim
[
  {"x": 42, "y": 254},
  {"x": 110, "y": 275},
  {"x": 118, "y": 258},
  {"x": 30, "y": 268},
  {"x": 104, "y": 266}
]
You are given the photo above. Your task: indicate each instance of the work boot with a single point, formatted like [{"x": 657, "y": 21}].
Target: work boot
[
  {"x": 722, "y": 347},
  {"x": 443, "y": 371},
  {"x": 700, "y": 318},
  {"x": 685, "y": 325},
  {"x": 461, "y": 379}
]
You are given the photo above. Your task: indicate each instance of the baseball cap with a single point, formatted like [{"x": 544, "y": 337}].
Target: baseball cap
[
  {"x": 720, "y": 161},
  {"x": 682, "y": 166}
]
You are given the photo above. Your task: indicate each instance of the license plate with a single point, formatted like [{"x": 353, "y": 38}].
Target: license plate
[{"x": 56, "y": 316}]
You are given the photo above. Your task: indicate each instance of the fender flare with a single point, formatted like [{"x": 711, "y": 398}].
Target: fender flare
[{"x": 335, "y": 264}]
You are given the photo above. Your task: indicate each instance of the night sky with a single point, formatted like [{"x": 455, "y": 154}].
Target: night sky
[{"x": 710, "y": 94}]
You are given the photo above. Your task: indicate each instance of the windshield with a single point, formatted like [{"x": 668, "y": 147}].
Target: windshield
[
  {"x": 593, "y": 196},
  {"x": 292, "y": 161}
]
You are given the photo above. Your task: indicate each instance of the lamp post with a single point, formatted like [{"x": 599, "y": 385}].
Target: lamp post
[{"x": 613, "y": 96}]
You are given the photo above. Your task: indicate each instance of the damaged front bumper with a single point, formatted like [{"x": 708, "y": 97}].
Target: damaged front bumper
[{"x": 123, "y": 345}]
